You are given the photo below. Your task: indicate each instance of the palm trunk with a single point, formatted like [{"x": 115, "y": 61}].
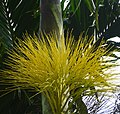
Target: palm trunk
[
  {"x": 50, "y": 21},
  {"x": 51, "y": 16}
]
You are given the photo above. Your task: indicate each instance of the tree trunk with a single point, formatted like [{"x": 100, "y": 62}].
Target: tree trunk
[
  {"x": 50, "y": 21},
  {"x": 51, "y": 17}
]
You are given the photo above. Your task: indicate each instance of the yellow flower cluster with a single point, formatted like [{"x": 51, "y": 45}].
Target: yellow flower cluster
[{"x": 59, "y": 68}]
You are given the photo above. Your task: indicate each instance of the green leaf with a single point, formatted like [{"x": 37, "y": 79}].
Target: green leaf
[{"x": 91, "y": 5}]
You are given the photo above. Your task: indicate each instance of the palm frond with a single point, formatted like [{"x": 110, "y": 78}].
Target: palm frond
[
  {"x": 16, "y": 17},
  {"x": 6, "y": 31}
]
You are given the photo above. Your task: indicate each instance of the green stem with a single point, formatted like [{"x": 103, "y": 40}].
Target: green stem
[{"x": 45, "y": 106}]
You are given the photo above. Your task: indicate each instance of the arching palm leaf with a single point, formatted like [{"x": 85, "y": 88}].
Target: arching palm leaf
[{"x": 16, "y": 17}]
